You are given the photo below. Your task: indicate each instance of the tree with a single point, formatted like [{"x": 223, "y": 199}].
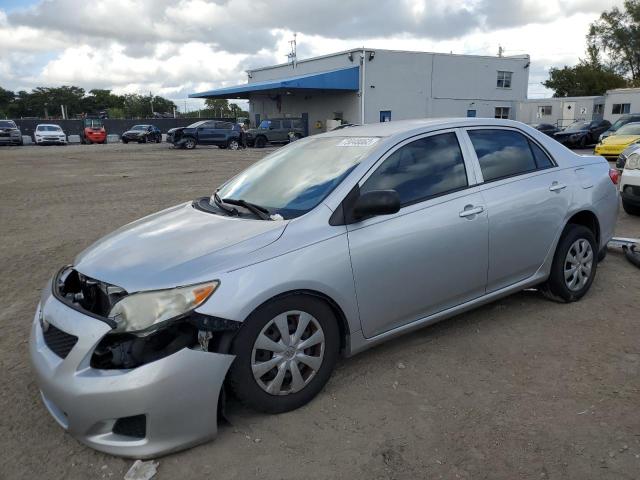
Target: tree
[
  {"x": 589, "y": 77},
  {"x": 6, "y": 97},
  {"x": 617, "y": 34},
  {"x": 218, "y": 106}
]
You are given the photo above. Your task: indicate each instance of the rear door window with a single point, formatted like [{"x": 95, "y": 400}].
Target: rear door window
[
  {"x": 422, "y": 169},
  {"x": 502, "y": 153}
]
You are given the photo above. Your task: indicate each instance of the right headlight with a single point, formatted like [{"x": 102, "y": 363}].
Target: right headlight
[
  {"x": 633, "y": 162},
  {"x": 140, "y": 311}
]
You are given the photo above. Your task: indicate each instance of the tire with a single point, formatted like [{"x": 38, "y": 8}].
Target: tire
[
  {"x": 582, "y": 244},
  {"x": 233, "y": 144},
  {"x": 260, "y": 142},
  {"x": 583, "y": 142},
  {"x": 189, "y": 143},
  {"x": 125, "y": 141},
  {"x": 159, "y": 138},
  {"x": 630, "y": 209},
  {"x": 252, "y": 391}
]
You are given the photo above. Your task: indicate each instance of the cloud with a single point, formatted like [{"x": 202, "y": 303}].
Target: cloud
[{"x": 180, "y": 46}]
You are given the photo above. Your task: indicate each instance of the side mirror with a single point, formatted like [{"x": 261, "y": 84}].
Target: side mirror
[{"x": 376, "y": 202}]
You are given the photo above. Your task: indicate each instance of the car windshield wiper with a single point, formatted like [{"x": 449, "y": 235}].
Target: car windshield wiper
[
  {"x": 260, "y": 212},
  {"x": 222, "y": 206}
]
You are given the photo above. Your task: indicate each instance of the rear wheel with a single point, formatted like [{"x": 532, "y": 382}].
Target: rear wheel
[
  {"x": 124, "y": 140},
  {"x": 574, "y": 265},
  {"x": 260, "y": 142},
  {"x": 630, "y": 209},
  {"x": 285, "y": 353}
]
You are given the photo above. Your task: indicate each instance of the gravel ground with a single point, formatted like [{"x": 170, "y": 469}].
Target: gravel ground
[{"x": 522, "y": 388}]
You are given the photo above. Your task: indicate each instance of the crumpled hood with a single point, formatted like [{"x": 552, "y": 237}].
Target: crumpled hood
[{"x": 177, "y": 246}]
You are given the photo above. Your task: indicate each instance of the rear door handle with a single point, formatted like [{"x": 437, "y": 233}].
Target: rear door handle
[
  {"x": 556, "y": 187},
  {"x": 470, "y": 210}
]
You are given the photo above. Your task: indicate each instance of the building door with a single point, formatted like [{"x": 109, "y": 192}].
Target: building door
[
  {"x": 385, "y": 115},
  {"x": 257, "y": 120},
  {"x": 568, "y": 113}
]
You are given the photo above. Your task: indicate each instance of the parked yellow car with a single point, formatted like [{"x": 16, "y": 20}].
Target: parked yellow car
[{"x": 613, "y": 146}]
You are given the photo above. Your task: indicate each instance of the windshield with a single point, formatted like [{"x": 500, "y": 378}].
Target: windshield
[
  {"x": 622, "y": 121},
  {"x": 574, "y": 127},
  {"x": 296, "y": 178},
  {"x": 139, "y": 127},
  {"x": 629, "y": 129},
  {"x": 7, "y": 124},
  {"x": 48, "y": 128},
  {"x": 197, "y": 124},
  {"x": 265, "y": 124}
]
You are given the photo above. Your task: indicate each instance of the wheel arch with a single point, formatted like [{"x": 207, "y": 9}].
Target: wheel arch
[
  {"x": 587, "y": 219},
  {"x": 343, "y": 324}
]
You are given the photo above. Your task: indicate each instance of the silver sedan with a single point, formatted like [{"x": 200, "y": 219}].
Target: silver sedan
[{"x": 326, "y": 247}]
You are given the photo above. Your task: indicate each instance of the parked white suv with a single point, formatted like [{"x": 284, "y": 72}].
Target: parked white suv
[
  {"x": 630, "y": 184},
  {"x": 49, "y": 134}
]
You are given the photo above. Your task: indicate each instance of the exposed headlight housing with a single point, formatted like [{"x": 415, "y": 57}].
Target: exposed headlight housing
[
  {"x": 141, "y": 311},
  {"x": 633, "y": 162}
]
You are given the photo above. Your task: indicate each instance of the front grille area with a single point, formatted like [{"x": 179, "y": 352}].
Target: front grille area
[
  {"x": 58, "y": 341},
  {"x": 135, "y": 426}
]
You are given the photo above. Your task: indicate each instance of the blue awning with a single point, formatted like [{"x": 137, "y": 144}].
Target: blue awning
[{"x": 344, "y": 79}]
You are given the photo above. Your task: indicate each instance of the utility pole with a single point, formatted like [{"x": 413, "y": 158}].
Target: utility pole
[
  {"x": 293, "y": 55},
  {"x": 151, "y": 97},
  {"x": 500, "y": 50}
]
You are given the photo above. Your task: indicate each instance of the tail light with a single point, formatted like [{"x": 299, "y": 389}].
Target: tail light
[{"x": 614, "y": 175}]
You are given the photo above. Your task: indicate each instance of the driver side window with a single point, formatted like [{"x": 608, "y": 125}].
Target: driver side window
[{"x": 422, "y": 169}]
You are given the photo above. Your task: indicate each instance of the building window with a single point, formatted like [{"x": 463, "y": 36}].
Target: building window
[
  {"x": 504, "y": 79},
  {"x": 619, "y": 108},
  {"x": 471, "y": 113},
  {"x": 598, "y": 109},
  {"x": 502, "y": 112},
  {"x": 544, "y": 110},
  {"x": 385, "y": 115}
]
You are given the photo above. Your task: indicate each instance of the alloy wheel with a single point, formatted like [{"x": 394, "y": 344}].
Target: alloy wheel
[
  {"x": 578, "y": 264},
  {"x": 287, "y": 353}
]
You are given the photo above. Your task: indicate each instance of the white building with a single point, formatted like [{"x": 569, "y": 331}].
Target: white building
[
  {"x": 372, "y": 85},
  {"x": 561, "y": 111},
  {"x": 620, "y": 101}
]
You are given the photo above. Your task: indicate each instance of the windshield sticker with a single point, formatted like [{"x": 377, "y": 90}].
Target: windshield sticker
[{"x": 358, "y": 142}]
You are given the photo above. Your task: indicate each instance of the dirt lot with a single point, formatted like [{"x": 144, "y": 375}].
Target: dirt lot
[{"x": 522, "y": 388}]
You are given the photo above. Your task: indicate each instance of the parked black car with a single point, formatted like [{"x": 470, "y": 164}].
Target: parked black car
[
  {"x": 205, "y": 132},
  {"x": 10, "y": 134},
  {"x": 275, "y": 130},
  {"x": 546, "y": 128},
  {"x": 582, "y": 133},
  {"x": 620, "y": 122},
  {"x": 142, "y": 134}
]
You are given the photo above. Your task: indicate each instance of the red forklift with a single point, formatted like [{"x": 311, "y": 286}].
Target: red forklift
[{"x": 93, "y": 130}]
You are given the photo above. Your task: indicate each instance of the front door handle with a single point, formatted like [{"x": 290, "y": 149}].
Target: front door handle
[
  {"x": 556, "y": 187},
  {"x": 470, "y": 211}
]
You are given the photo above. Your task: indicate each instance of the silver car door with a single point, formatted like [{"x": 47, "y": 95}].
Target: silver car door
[
  {"x": 526, "y": 196},
  {"x": 432, "y": 254}
]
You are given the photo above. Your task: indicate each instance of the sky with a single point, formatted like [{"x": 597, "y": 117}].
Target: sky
[{"x": 176, "y": 47}]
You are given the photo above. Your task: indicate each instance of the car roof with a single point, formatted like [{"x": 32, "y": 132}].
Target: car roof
[
  {"x": 48, "y": 125},
  {"x": 399, "y": 127}
]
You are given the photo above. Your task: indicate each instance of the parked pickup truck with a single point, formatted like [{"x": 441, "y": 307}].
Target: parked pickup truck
[
  {"x": 275, "y": 130},
  {"x": 205, "y": 132}
]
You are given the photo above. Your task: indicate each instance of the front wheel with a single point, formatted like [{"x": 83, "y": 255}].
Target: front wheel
[
  {"x": 189, "y": 143},
  {"x": 630, "y": 209},
  {"x": 260, "y": 142},
  {"x": 574, "y": 265},
  {"x": 233, "y": 144},
  {"x": 285, "y": 353},
  {"x": 125, "y": 141}
]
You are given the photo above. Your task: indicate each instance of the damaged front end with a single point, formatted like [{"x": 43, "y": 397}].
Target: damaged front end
[{"x": 131, "y": 393}]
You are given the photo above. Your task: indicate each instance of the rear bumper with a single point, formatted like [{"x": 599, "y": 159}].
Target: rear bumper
[{"x": 178, "y": 394}]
